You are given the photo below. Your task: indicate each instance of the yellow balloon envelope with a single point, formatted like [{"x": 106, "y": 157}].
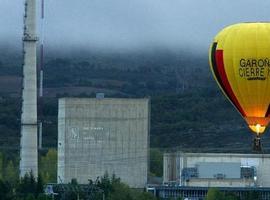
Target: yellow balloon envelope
[{"x": 240, "y": 62}]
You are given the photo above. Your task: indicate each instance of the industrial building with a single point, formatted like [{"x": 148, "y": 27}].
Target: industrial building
[
  {"x": 216, "y": 170},
  {"x": 199, "y": 193},
  {"x": 99, "y": 135}
]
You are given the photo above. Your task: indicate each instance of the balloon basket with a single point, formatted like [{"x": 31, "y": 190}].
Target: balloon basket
[{"x": 257, "y": 146}]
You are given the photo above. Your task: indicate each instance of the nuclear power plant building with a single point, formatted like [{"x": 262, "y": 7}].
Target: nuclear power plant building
[
  {"x": 217, "y": 169},
  {"x": 99, "y": 135}
]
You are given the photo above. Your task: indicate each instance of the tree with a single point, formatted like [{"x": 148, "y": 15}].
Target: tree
[
  {"x": 39, "y": 186},
  {"x": 147, "y": 196},
  {"x": 30, "y": 197},
  {"x": 1, "y": 165},
  {"x": 252, "y": 195},
  {"x": 120, "y": 191},
  {"x": 106, "y": 183},
  {"x": 11, "y": 174},
  {"x": 43, "y": 197},
  {"x": 231, "y": 196},
  {"x": 48, "y": 166},
  {"x": 114, "y": 189},
  {"x": 27, "y": 186},
  {"x": 215, "y": 194},
  {"x": 6, "y": 192},
  {"x": 74, "y": 192},
  {"x": 156, "y": 162}
]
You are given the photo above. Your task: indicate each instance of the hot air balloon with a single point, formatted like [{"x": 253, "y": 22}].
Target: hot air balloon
[{"x": 240, "y": 62}]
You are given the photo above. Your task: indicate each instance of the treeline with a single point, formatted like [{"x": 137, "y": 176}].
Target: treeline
[
  {"x": 9, "y": 166},
  {"x": 140, "y": 81},
  {"x": 26, "y": 188},
  {"x": 130, "y": 74},
  {"x": 106, "y": 187},
  {"x": 109, "y": 188},
  {"x": 216, "y": 194}
]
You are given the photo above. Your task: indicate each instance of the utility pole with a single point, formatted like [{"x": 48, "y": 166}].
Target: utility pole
[{"x": 41, "y": 65}]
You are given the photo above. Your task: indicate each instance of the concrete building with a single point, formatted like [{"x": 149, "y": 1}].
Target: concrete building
[
  {"x": 28, "y": 151},
  {"x": 98, "y": 135},
  {"x": 216, "y": 169}
]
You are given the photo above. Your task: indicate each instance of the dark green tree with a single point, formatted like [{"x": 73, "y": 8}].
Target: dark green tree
[
  {"x": 11, "y": 173},
  {"x": 74, "y": 191},
  {"x": 252, "y": 195},
  {"x": 30, "y": 197},
  {"x": 48, "y": 166},
  {"x": 1, "y": 165},
  {"x": 44, "y": 197},
  {"x": 6, "y": 192},
  {"x": 39, "y": 186},
  {"x": 114, "y": 189},
  {"x": 215, "y": 194},
  {"x": 156, "y": 162},
  {"x": 147, "y": 196},
  {"x": 231, "y": 196},
  {"x": 27, "y": 185}
]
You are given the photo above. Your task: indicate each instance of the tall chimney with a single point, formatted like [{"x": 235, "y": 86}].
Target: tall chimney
[{"x": 28, "y": 148}]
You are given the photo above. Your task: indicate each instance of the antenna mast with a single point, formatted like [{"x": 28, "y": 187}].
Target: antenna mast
[{"x": 41, "y": 65}]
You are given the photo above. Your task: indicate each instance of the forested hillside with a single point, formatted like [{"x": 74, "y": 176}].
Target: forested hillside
[{"x": 188, "y": 111}]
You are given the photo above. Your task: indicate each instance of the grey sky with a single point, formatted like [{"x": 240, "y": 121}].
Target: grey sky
[{"x": 131, "y": 24}]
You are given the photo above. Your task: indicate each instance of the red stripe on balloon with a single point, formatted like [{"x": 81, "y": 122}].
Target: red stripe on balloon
[
  {"x": 267, "y": 112},
  {"x": 225, "y": 82}
]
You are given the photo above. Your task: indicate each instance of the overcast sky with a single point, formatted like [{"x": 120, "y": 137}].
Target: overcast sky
[{"x": 132, "y": 24}]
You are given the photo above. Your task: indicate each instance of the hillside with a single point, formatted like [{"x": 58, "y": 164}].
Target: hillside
[{"x": 188, "y": 110}]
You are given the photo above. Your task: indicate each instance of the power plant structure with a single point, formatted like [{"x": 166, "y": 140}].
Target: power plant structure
[
  {"x": 103, "y": 135},
  {"x": 216, "y": 170},
  {"x": 28, "y": 148},
  {"x": 190, "y": 175}
]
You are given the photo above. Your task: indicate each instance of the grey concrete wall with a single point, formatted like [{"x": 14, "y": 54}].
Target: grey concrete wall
[
  {"x": 211, "y": 169},
  {"x": 170, "y": 168},
  {"x": 103, "y": 135}
]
